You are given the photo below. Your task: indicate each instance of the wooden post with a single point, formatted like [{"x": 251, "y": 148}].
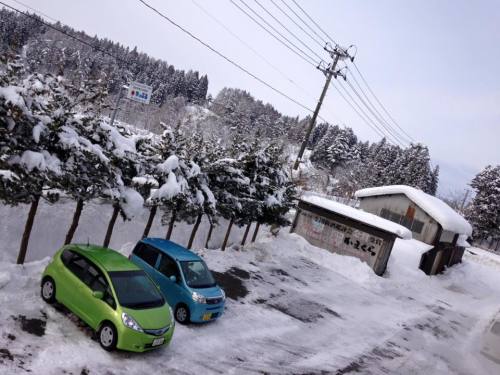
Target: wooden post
[
  {"x": 247, "y": 229},
  {"x": 257, "y": 226},
  {"x": 74, "y": 223},
  {"x": 27, "y": 231},
  {"x": 109, "y": 232},
  {"x": 195, "y": 229},
  {"x": 227, "y": 235},
  {"x": 209, "y": 235},
  {"x": 152, "y": 213},
  {"x": 171, "y": 225},
  {"x": 295, "y": 219}
]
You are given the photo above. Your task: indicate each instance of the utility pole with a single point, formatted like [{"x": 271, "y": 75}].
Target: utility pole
[
  {"x": 117, "y": 104},
  {"x": 337, "y": 53},
  {"x": 466, "y": 196}
]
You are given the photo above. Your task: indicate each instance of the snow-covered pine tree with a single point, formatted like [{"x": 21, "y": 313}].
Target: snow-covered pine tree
[
  {"x": 172, "y": 172},
  {"x": 87, "y": 171},
  {"x": 320, "y": 155},
  {"x": 201, "y": 153},
  {"x": 413, "y": 167},
  {"x": 433, "y": 182},
  {"x": 484, "y": 210},
  {"x": 343, "y": 149},
  {"x": 30, "y": 146},
  {"x": 229, "y": 184},
  {"x": 317, "y": 133},
  {"x": 119, "y": 142},
  {"x": 273, "y": 185}
]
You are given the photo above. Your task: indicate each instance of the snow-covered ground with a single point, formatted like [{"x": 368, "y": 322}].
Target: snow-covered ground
[{"x": 292, "y": 309}]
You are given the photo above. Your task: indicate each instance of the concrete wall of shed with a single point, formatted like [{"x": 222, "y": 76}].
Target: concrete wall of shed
[{"x": 399, "y": 204}]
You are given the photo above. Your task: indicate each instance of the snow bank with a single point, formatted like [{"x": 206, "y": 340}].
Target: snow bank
[
  {"x": 359, "y": 215},
  {"x": 404, "y": 261},
  {"x": 448, "y": 218}
]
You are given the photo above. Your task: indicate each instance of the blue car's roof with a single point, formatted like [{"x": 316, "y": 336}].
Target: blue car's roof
[{"x": 171, "y": 248}]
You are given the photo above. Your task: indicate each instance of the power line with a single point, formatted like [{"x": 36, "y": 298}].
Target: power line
[
  {"x": 304, "y": 56},
  {"x": 389, "y": 131},
  {"x": 367, "y": 117},
  {"x": 34, "y": 10},
  {"x": 380, "y": 117},
  {"x": 224, "y": 57},
  {"x": 38, "y": 19},
  {"x": 365, "y": 120},
  {"x": 310, "y": 18},
  {"x": 257, "y": 54},
  {"x": 244, "y": 43},
  {"x": 304, "y": 22},
  {"x": 296, "y": 24},
  {"x": 287, "y": 29},
  {"x": 176, "y": 25},
  {"x": 381, "y": 105}
]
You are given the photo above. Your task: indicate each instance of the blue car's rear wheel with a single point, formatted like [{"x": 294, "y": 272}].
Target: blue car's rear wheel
[
  {"x": 182, "y": 314},
  {"x": 48, "y": 290},
  {"x": 107, "y": 336}
]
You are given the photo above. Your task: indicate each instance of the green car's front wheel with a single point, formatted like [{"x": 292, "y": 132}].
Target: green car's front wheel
[
  {"x": 107, "y": 335},
  {"x": 48, "y": 290}
]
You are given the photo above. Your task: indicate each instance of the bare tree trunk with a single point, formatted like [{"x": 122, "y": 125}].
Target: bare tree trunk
[
  {"x": 227, "y": 235},
  {"x": 171, "y": 225},
  {"x": 109, "y": 232},
  {"x": 195, "y": 229},
  {"x": 74, "y": 223},
  {"x": 254, "y": 237},
  {"x": 27, "y": 231},
  {"x": 152, "y": 213},
  {"x": 209, "y": 235},
  {"x": 247, "y": 229}
]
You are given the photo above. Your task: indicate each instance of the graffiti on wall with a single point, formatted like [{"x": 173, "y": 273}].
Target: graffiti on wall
[{"x": 339, "y": 238}]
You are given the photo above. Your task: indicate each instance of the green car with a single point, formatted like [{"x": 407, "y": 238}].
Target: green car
[{"x": 112, "y": 295}]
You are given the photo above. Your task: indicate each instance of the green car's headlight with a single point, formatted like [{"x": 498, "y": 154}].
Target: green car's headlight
[
  {"x": 223, "y": 294},
  {"x": 129, "y": 322},
  {"x": 197, "y": 297}
]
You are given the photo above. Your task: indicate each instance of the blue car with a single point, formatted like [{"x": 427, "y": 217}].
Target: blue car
[{"x": 184, "y": 279}]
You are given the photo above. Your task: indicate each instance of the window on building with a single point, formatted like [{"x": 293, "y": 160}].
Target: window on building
[{"x": 416, "y": 226}]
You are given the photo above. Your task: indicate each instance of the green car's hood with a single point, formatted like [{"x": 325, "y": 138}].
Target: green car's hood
[{"x": 155, "y": 318}]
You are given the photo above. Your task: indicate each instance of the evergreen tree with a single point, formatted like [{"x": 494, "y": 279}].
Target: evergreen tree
[{"x": 484, "y": 210}]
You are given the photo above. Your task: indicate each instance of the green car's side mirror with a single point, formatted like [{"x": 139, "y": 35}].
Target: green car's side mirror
[
  {"x": 173, "y": 279},
  {"x": 98, "y": 294}
]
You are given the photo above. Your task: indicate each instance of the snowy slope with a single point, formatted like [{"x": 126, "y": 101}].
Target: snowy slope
[{"x": 292, "y": 308}]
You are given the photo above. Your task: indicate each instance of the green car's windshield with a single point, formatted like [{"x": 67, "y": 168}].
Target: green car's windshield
[
  {"x": 197, "y": 275},
  {"x": 135, "y": 290}
]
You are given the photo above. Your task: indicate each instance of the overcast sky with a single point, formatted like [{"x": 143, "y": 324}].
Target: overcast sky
[{"x": 433, "y": 64}]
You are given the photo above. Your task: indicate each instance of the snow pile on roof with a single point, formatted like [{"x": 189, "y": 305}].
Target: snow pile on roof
[
  {"x": 359, "y": 215},
  {"x": 448, "y": 218}
]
